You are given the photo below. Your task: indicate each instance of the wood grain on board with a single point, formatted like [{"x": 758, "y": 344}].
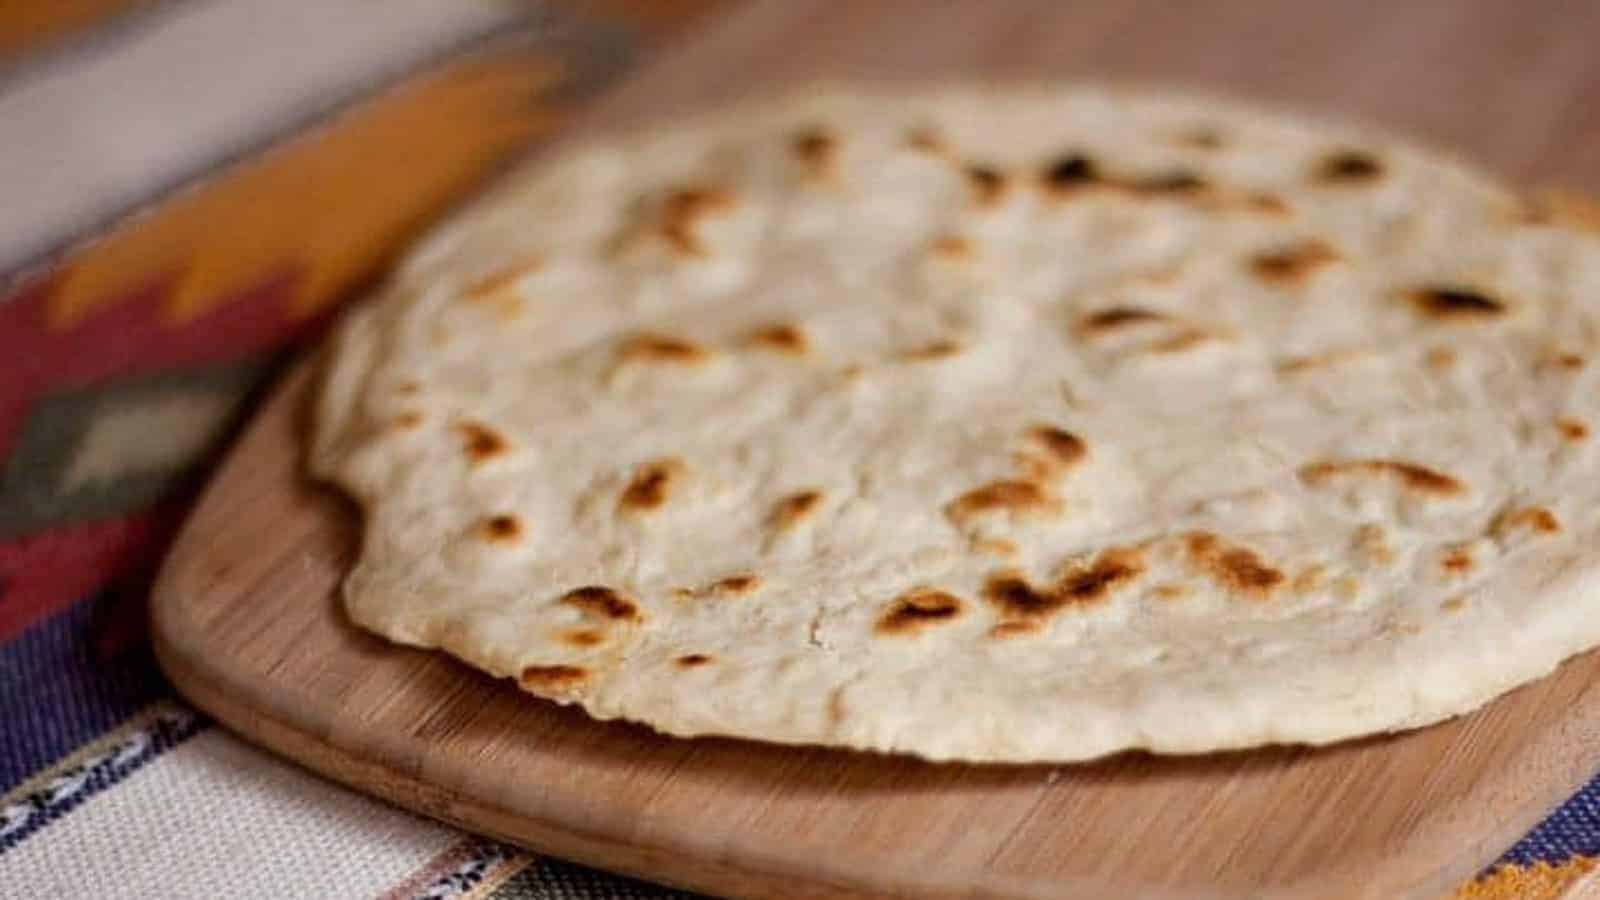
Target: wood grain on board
[{"x": 248, "y": 626}]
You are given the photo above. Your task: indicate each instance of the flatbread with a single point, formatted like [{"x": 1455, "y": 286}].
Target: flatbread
[{"x": 986, "y": 424}]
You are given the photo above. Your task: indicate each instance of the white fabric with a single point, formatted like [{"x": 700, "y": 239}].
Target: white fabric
[{"x": 215, "y": 817}]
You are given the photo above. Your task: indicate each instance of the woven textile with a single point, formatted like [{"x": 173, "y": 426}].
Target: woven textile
[{"x": 127, "y": 363}]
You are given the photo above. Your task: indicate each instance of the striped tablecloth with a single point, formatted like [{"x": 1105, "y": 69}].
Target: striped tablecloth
[{"x": 167, "y": 246}]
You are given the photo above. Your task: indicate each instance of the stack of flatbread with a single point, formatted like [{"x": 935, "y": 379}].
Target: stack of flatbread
[{"x": 992, "y": 425}]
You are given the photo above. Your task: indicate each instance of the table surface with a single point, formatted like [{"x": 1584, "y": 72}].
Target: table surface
[{"x": 98, "y": 735}]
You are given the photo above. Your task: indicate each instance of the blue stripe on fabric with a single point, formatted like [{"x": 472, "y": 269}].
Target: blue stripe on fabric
[
  {"x": 66, "y": 681},
  {"x": 1569, "y": 831},
  {"x": 69, "y": 788},
  {"x": 486, "y": 856}
]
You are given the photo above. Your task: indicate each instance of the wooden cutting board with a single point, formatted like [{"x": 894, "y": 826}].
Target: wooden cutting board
[{"x": 247, "y": 625}]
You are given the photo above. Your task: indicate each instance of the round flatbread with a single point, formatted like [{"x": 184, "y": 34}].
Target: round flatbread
[{"x": 986, "y": 424}]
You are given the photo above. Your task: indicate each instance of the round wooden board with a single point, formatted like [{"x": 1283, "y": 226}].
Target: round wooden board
[{"x": 247, "y": 623}]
